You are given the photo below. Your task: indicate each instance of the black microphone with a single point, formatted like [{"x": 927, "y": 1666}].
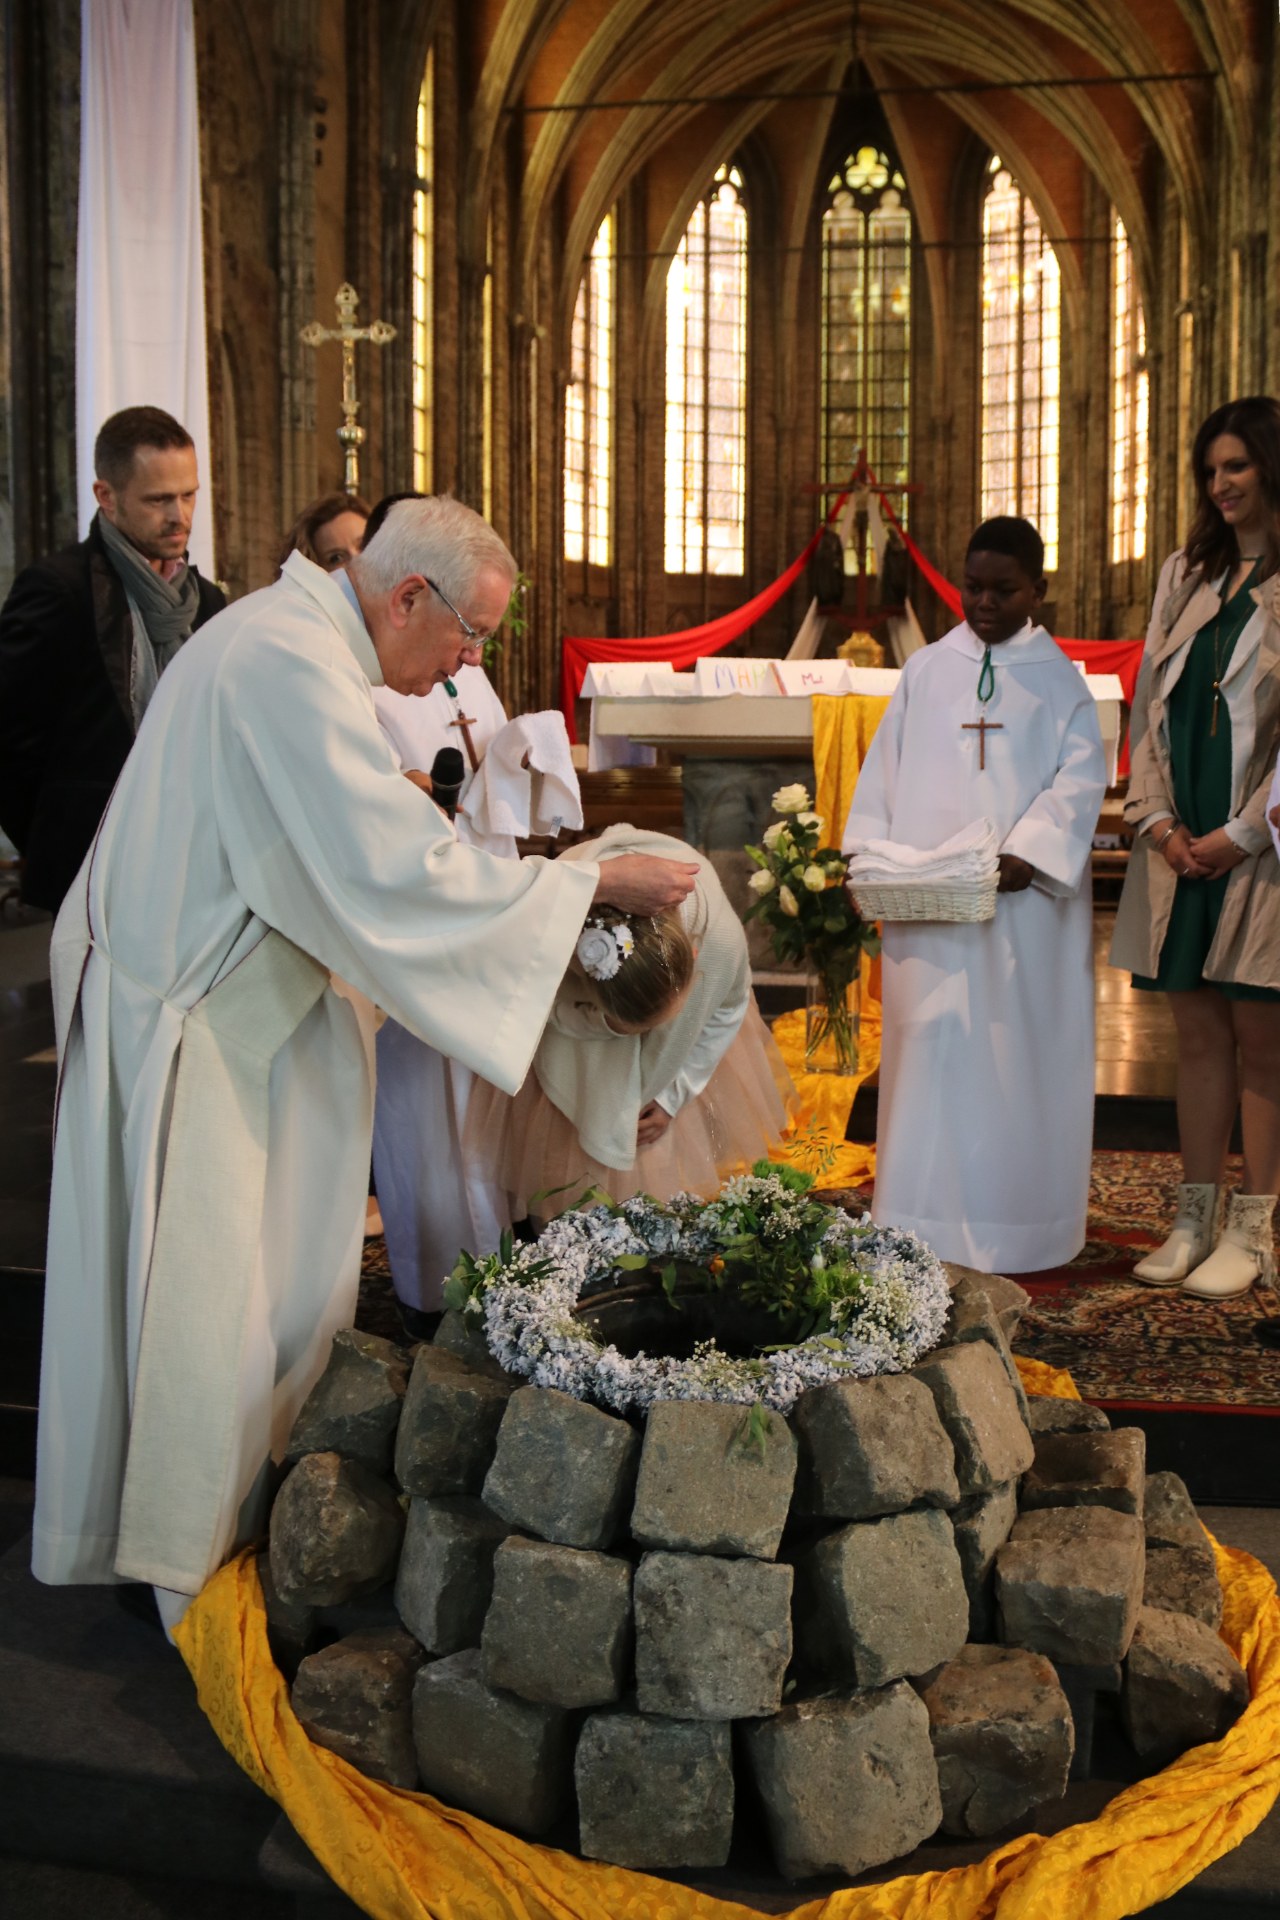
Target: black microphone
[{"x": 447, "y": 776}]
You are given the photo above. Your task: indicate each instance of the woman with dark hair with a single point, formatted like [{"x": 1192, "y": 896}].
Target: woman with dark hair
[
  {"x": 328, "y": 530},
  {"x": 1199, "y": 918}
]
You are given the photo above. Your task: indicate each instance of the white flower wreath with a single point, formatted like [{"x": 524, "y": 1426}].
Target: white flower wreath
[{"x": 526, "y": 1297}]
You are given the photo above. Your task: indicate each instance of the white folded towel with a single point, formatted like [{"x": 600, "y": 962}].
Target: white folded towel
[
  {"x": 506, "y": 797},
  {"x": 969, "y": 858}
]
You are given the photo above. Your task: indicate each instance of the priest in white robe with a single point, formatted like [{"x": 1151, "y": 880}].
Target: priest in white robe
[
  {"x": 985, "y": 1127},
  {"x": 263, "y": 875}
]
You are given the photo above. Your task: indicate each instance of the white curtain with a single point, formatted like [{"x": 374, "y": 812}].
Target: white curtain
[{"x": 140, "y": 338}]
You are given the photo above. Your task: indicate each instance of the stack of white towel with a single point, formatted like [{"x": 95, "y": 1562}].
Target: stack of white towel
[{"x": 969, "y": 859}]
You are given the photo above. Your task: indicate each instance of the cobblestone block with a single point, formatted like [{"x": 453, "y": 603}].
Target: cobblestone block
[
  {"x": 1168, "y": 1516},
  {"x": 335, "y": 1532},
  {"x": 980, "y": 1412},
  {"x": 1002, "y": 1737},
  {"x": 1047, "y": 1413},
  {"x": 981, "y": 1526},
  {"x": 705, "y": 1487},
  {"x": 713, "y": 1636},
  {"x": 974, "y": 1317},
  {"x": 449, "y": 1427},
  {"x": 880, "y": 1599},
  {"x": 871, "y": 1447},
  {"x": 356, "y": 1697},
  {"x": 1088, "y": 1470},
  {"x": 445, "y": 1578},
  {"x": 1008, "y": 1299},
  {"x": 654, "y": 1794},
  {"x": 354, "y": 1406},
  {"x": 848, "y": 1781},
  {"x": 491, "y": 1753},
  {"x": 558, "y": 1627},
  {"x": 1182, "y": 1685},
  {"x": 562, "y": 1470},
  {"x": 1184, "y": 1580},
  {"x": 463, "y": 1335},
  {"x": 1069, "y": 1584}
]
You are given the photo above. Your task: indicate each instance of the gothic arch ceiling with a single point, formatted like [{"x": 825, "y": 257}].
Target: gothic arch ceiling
[{"x": 563, "y": 52}]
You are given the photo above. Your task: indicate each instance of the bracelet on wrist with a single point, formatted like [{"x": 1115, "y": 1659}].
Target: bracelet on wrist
[{"x": 1167, "y": 835}]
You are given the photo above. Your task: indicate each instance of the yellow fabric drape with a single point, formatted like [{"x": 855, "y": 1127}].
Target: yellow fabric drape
[
  {"x": 405, "y": 1856},
  {"x": 842, "y": 728}
]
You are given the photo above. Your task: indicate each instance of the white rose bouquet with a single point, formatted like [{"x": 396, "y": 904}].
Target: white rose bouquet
[{"x": 800, "y": 896}]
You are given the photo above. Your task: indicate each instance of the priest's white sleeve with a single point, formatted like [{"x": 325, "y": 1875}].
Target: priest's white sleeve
[
  {"x": 1055, "y": 834},
  {"x": 342, "y": 855}
]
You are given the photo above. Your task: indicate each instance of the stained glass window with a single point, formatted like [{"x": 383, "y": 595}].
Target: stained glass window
[
  {"x": 588, "y": 410},
  {"x": 1129, "y": 403},
  {"x": 706, "y": 421},
  {"x": 423, "y": 317},
  {"x": 866, "y": 321},
  {"x": 1021, "y": 332}
]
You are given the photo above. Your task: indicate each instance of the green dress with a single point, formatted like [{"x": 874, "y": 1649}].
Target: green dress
[{"x": 1201, "y": 761}]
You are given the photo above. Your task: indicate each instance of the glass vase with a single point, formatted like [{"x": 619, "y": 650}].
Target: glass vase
[{"x": 831, "y": 1014}]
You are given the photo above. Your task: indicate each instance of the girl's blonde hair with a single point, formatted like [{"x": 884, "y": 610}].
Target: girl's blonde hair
[{"x": 659, "y": 968}]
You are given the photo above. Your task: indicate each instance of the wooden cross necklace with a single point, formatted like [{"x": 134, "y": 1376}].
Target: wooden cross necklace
[
  {"x": 982, "y": 726},
  {"x": 466, "y": 721}
]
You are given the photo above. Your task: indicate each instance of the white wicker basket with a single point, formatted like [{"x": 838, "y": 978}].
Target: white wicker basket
[{"x": 913, "y": 900}]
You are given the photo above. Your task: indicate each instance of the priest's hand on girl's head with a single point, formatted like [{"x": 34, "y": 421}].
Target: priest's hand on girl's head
[
  {"x": 1015, "y": 875},
  {"x": 639, "y": 883}
]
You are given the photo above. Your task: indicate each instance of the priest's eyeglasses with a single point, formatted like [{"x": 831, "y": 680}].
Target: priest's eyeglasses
[{"x": 475, "y": 638}]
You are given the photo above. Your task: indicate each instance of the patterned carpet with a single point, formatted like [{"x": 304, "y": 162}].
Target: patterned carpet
[
  {"x": 1126, "y": 1345},
  {"x": 1137, "y": 1346}
]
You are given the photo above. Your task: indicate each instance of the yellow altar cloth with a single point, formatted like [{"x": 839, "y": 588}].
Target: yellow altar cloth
[
  {"x": 405, "y": 1856},
  {"x": 842, "y": 728}
]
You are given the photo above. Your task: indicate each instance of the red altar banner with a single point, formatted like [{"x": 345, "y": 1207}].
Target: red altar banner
[{"x": 680, "y": 650}]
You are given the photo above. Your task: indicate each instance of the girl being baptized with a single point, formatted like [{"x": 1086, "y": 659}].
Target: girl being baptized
[{"x": 655, "y": 1073}]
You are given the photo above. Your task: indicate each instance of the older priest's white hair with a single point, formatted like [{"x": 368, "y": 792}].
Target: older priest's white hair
[{"x": 437, "y": 537}]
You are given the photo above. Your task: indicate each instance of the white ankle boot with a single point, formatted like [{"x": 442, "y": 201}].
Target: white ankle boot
[
  {"x": 1188, "y": 1244},
  {"x": 1245, "y": 1253}
]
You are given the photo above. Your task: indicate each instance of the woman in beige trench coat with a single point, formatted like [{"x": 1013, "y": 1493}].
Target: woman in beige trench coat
[{"x": 1199, "y": 917}]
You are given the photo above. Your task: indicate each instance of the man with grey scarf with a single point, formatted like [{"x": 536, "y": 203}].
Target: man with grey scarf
[{"x": 84, "y": 638}]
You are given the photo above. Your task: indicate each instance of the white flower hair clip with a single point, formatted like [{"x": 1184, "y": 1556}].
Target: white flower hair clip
[{"x": 602, "y": 949}]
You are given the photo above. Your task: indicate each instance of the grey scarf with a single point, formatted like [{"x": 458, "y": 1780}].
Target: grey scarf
[{"x": 164, "y": 612}]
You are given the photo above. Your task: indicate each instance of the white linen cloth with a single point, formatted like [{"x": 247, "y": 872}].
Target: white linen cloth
[
  {"x": 986, "y": 1080},
  {"x": 140, "y": 332},
  {"x": 971, "y": 855},
  {"x": 260, "y": 798},
  {"x": 509, "y": 799}
]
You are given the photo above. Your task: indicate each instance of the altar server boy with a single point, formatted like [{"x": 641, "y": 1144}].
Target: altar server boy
[{"x": 986, "y": 1078}]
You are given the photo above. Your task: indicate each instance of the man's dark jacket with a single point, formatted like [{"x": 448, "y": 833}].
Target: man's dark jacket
[{"x": 66, "y": 719}]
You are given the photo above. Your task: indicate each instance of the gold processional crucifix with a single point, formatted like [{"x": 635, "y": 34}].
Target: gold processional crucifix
[
  {"x": 982, "y": 728},
  {"x": 379, "y": 332}
]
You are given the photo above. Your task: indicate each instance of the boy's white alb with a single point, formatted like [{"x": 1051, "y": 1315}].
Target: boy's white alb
[{"x": 986, "y": 1081}]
